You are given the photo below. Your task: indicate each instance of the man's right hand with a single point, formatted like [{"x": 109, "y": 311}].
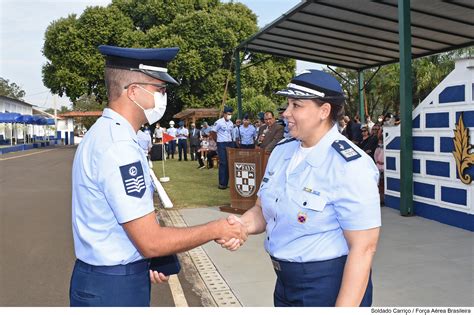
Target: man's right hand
[
  {"x": 234, "y": 243},
  {"x": 231, "y": 228}
]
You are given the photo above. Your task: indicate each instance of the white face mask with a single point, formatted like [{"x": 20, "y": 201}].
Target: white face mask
[
  {"x": 228, "y": 117},
  {"x": 154, "y": 114}
]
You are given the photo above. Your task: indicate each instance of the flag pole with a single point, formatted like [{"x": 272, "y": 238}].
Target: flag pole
[{"x": 163, "y": 179}]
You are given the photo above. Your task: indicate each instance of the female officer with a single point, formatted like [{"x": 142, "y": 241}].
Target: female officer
[{"x": 318, "y": 203}]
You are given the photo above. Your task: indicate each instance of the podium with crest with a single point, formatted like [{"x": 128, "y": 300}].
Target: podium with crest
[{"x": 246, "y": 169}]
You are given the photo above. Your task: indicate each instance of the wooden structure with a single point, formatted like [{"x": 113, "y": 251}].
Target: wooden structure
[
  {"x": 190, "y": 115},
  {"x": 75, "y": 114},
  {"x": 246, "y": 170}
]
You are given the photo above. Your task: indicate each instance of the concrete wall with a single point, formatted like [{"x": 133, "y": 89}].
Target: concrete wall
[{"x": 439, "y": 194}]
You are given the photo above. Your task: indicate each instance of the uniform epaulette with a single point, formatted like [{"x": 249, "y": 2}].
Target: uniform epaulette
[
  {"x": 119, "y": 132},
  {"x": 345, "y": 150},
  {"x": 283, "y": 141}
]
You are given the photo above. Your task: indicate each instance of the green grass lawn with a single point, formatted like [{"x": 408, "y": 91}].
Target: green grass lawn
[{"x": 190, "y": 187}]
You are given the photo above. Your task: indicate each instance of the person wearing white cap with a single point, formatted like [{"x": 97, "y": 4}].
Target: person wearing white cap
[
  {"x": 318, "y": 203},
  {"x": 114, "y": 224},
  {"x": 172, "y": 144}
]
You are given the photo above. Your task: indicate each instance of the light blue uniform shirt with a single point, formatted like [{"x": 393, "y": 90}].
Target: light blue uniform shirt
[
  {"x": 111, "y": 185},
  {"x": 144, "y": 141},
  {"x": 182, "y": 133},
  {"x": 325, "y": 194},
  {"x": 247, "y": 135},
  {"x": 224, "y": 130},
  {"x": 172, "y": 131},
  {"x": 235, "y": 133}
]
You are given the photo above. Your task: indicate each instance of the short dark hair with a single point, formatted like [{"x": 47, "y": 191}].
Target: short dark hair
[
  {"x": 117, "y": 79},
  {"x": 270, "y": 112}
]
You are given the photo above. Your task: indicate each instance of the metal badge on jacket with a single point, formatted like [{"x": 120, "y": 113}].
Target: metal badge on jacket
[{"x": 133, "y": 179}]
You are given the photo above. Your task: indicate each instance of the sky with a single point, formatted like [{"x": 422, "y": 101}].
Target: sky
[{"x": 24, "y": 22}]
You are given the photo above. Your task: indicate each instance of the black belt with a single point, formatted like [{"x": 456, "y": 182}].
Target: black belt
[{"x": 117, "y": 270}]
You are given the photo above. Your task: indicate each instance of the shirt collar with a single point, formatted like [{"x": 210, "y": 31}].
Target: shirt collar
[
  {"x": 110, "y": 113},
  {"x": 317, "y": 156}
]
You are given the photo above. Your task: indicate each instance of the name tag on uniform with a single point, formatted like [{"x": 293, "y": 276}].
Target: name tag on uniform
[
  {"x": 314, "y": 192},
  {"x": 345, "y": 150},
  {"x": 133, "y": 179}
]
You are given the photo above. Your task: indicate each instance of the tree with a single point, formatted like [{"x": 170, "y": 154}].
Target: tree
[
  {"x": 11, "y": 89},
  {"x": 206, "y": 31},
  {"x": 382, "y": 90},
  {"x": 88, "y": 103},
  {"x": 62, "y": 110}
]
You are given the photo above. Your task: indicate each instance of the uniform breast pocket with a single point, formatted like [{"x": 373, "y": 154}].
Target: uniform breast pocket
[
  {"x": 310, "y": 201},
  {"x": 309, "y": 211}
]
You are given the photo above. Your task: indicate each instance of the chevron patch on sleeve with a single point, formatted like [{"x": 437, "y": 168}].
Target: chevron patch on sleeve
[{"x": 133, "y": 179}]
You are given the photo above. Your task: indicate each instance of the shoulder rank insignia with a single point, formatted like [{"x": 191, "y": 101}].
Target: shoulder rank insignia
[
  {"x": 345, "y": 150},
  {"x": 133, "y": 179},
  {"x": 283, "y": 141}
]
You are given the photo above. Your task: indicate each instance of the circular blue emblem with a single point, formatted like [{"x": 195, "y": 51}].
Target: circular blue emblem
[{"x": 132, "y": 171}]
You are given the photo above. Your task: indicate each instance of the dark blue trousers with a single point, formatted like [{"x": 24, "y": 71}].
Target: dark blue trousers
[
  {"x": 312, "y": 283},
  {"x": 223, "y": 162},
  {"x": 182, "y": 149},
  {"x": 123, "y": 285},
  {"x": 171, "y": 148}
]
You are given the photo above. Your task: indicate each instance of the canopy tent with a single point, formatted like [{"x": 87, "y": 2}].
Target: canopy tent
[
  {"x": 25, "y": 119},
  {"x": 16, "y": 118},
  {"x": 363, "y": 34},
  {"x": 9, "y": 118}
]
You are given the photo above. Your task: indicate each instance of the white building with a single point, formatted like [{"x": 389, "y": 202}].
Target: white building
[
  {"x": 11, "y": 105},
  {"x": 19, "y": 131}
]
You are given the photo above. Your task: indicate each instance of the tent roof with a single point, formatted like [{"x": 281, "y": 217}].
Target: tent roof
[
  {"x": 74, "y": 114},
  {"x": 197, "y": 113},
  {"x": 361, "y": 34}
]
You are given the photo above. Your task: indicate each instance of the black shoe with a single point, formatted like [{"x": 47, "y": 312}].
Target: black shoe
[{"x": 222, "y": 187}]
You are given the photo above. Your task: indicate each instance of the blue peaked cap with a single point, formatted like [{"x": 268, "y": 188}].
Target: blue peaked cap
[
  {"x": 314, "y": 84},
  {"x": 228, "y": 109},
  {"x": 150, "y": 61}
]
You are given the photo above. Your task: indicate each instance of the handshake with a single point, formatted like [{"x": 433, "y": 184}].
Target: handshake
[{"x": 235, "y": 235}]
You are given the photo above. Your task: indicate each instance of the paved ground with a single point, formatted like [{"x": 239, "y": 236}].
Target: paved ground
[
  {"x": 36, "y": 247},
  {"x": 419, "y": 262}
]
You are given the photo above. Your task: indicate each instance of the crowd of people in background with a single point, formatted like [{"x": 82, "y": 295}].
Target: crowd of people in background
[{"x": 265, "y": 132}]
